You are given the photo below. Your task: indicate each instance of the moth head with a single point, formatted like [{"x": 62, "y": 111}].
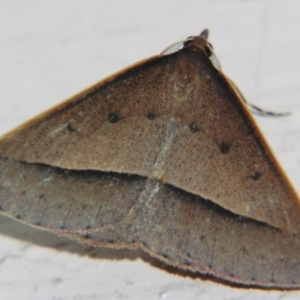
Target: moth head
[{"x": 201, "y": 41}]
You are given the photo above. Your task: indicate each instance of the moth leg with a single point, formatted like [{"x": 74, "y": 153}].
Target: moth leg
[
  {"x": 264, "y": 113},
  {"x": 255, "y": 109}
]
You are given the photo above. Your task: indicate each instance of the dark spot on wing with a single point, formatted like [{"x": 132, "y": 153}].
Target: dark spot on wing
[
  {"x": 255, "y": 176},
  {"x": 244, "y": 219},
  {"x": 70, "y": 128},
  {"x": 224, "y": 147},
  {"x": 110, "y": 241},
  {"x": 165, "y": 255},
  {"x": 145, "y": 244},
  {"x": 193, "y": 127},
  {"x": 244, "y": 251},
  {"x": 113, "y": 118},
  {"x": 186, "y": 262},
  {"x": 202, "y": 238},
  {"x": 151, "y": 116}
]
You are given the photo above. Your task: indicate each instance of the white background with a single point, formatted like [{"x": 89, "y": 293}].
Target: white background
[{"x": 50, "y": 50}]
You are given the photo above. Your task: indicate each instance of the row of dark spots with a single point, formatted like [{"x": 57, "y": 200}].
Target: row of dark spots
[
  {"x": 224, "y": 149},
  {"x": 224, "y": 146},
  {"x": 19, "y": 217},
  {"x": 87, "y": 235},
  {"x": 107, "y": 241},
  {"x": 115, "y": 117},
  {"x": 62, "y": 227}
]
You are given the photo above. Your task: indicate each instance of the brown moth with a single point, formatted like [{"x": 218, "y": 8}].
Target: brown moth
[{"x": 163, "y": 156}]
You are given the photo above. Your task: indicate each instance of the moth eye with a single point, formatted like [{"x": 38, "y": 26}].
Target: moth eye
[
  {"x": 210, "y": 46},
  {"x": 208, "y": 51}
]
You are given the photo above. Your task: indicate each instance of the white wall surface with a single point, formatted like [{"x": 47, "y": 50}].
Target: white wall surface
[{"x": 50, "y": 50}]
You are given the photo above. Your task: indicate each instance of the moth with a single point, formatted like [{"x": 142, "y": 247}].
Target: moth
[{"x": 164, "y": 156}]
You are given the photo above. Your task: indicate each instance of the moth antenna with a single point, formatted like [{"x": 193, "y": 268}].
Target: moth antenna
[{"x": 175, "y": 47}]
